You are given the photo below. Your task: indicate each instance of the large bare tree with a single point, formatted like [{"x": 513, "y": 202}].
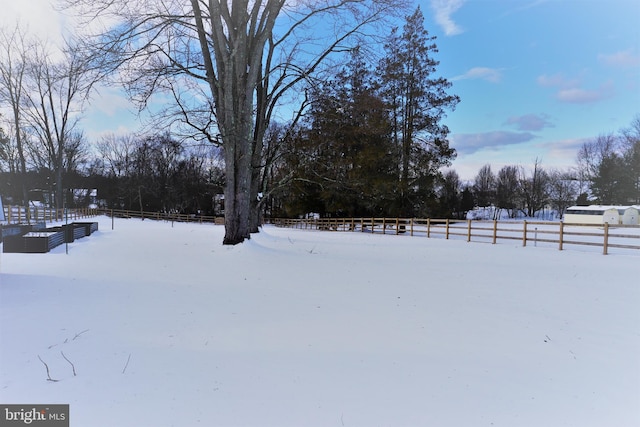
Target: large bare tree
[
  {"x": 56, "y": 87},
  {"x": 14, "y": 48},
  {"x": 248, "y": 54}
]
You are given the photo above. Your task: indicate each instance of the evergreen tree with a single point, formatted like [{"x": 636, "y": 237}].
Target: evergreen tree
[
  {"x": 417, "y": 100},
  {"x": 343, "y": 156},
  {"x": 468, "y": 201},
  {"x": 449, "y": 197},
  {"x": 612, "y": 183}
]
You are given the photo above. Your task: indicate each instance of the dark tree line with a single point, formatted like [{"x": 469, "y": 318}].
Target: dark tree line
[
  {"x": 228, "y": 65},
  {"x": 610, "y": 164},
  {"x": 517, "y": 192},
  {"x": 151, "y": 173},
  {"x": 372, "y": 141},
  {"x": 157, "y": 173}
]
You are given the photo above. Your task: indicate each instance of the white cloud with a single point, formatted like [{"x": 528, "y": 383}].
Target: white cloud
[
  {"x": 571, "y": 90},
  {"x": 584, "y": 96},
  {"x": 36, "y": 17},
  {"x": 492, "y": 75},
  {"x": 443, "y": 9},
  {"x": 623, "y": 59}
]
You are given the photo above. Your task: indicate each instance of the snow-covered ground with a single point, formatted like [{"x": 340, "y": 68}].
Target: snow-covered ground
[{"x": 164, "y": 326}]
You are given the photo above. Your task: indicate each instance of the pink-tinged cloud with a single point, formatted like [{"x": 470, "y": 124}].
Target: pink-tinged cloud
[
  {"x": 472, "y": 142},
  {"x": 530, "y": 122},
  {"x": 570, "y": 90},
  {"x": 622, "y": 59},
  {"x": 443, "y": 9},
  {"x": 584, "y": 96},
  {"x": 492, "y": 75},
  {"x": 556, "y": 80}
]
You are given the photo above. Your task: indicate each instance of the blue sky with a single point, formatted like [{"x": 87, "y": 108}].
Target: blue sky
[{"x": 536, "y": 78}]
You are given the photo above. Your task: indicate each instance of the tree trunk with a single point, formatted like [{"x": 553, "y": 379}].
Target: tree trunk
[{"x": 237, "y": 191}]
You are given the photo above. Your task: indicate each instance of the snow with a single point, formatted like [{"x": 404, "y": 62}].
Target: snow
[{"x": 165, "y": 326}]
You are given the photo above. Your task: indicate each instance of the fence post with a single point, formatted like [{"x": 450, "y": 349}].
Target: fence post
[
  {"x": 373, "y": 224},
  {"x": 447, "y": 229},
  {"x": 605, "y": 246},
  {"x": 524, "y": 234},
  {"x": 397, "y": 226},
  {"x": 495, "y": 230},
  {"x": 411, "y": 225},
  {"x": 561, "y": 235},
  {"x": 428, "y": 227},
  {"x": 468, "y": 230}
]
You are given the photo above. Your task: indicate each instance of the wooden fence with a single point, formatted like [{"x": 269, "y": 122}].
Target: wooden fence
[
  {"x": 162, "y": 216},
  {"x": 22, "y": 215},
  {"x": 536, "y": 233}
]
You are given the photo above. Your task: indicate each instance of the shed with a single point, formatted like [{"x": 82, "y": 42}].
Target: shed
[
  {"x": 631, "y": 216},
  {"x": 593, "y": 214},
  {"x": 611, "y": 216}
]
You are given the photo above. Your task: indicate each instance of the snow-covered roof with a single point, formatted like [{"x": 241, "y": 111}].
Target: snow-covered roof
[
  {"x": 601, "y": 208},
  {"x": 595, "y": 208}
]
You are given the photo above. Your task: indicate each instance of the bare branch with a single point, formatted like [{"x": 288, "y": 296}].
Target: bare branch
[
  {"x": 47, "y": 368},
  {"x": 72, "y": 365}
]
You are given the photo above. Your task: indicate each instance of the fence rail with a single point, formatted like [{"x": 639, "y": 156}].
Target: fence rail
[
  {"x": 162, "y": 216},
  {"x": 557, "y": 234},
  {"x": 22, "y": 215}
]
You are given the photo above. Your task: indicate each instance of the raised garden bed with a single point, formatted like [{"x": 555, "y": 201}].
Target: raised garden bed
[
  {"x": 33, "y": 242},
  {"x": 38, "y": 239},
  {"x": 71, "y": 232},
  {"x": 89, "y": 227},
  {"x": 13, "y": 230}
]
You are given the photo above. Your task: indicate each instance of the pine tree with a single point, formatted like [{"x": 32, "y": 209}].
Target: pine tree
[
  {"x": 343, "y": 155},
  {"x": 417, "y": 100}
]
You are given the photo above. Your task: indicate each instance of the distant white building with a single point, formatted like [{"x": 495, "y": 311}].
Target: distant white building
[
  {"x": 596, "y": 214},
  {"x": 631, "y": 216}
]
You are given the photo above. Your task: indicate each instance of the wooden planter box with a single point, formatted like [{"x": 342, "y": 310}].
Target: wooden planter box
[
  {"x": 33, "y": 242},
  {"x": 21, "y": 239},
  {"x": 71, "y": 232},
  {"x": 89, "y": 227},
  {"x": 13, "y": 244},
  {"x": 13, "y": 230}
]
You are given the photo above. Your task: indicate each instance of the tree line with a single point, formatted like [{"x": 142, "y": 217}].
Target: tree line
[
  {"x": 226, "y": 67},
  {"x": 607, "y": 172},
  {"x": 372, "y": 141},
  {"x": 391, "y": 112},
  {"x": 366, "y": 134}
]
